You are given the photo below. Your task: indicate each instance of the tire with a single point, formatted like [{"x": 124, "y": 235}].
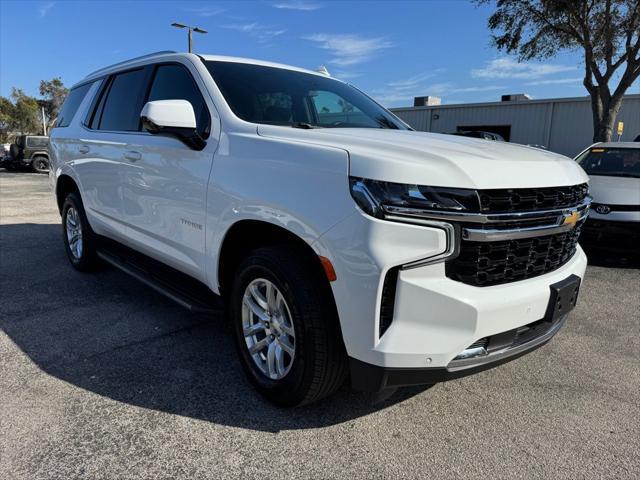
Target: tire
[
  {"x": 318, "y": 366},
  {"x": 15, "y": 151},
  {"x": 82, "y": 255},
  {"x": 40, "y": 164}
]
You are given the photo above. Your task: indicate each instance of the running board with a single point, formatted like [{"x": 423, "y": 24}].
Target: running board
[{"x": 182, "y": 289}]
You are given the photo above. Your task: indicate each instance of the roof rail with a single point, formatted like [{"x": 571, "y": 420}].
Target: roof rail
[{"x": 130, "y": 60}]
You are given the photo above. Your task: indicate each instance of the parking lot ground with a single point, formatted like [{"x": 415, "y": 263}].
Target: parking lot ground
[{"x": 101, "y": 377}]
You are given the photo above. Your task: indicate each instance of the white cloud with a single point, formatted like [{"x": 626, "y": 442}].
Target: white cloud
[
  {"x": 403, "y": 91},
  {"x": 486, "y": 88},
  {"x": 345, "y": 75},
  {"x": 411, "y": 82},
  {"x": 44, "y": 8},
  {"x": 509, "y": 68},
  {"x": 263, "y": 33},
  {"x": 556, "y": 81},
  {"x": 348, "y": 49},
  {"x": 206, "y": 11},
  {"x": 297, "y": 5}
]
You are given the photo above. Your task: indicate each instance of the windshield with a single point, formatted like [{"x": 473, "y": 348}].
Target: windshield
[
  {"x": 612, "y": 162},
  {"x": 276, "y": 96}
]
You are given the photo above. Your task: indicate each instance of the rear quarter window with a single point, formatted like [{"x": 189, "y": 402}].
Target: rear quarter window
[
  {"x": 37, "y": 142},
  {"x": 71, "y": 104}
]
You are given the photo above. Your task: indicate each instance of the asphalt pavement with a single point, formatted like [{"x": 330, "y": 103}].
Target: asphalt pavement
[{"x": 101, "y": 377}]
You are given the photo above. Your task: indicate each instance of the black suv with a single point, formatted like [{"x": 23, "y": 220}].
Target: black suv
[{"x": 30, "y": 151}]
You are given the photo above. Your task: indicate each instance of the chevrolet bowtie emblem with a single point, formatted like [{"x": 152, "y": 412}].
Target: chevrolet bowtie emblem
[{"x": 571, "y": 219}]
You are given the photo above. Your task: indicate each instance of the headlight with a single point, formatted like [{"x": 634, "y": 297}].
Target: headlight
[{"x": 380, "y": 198}]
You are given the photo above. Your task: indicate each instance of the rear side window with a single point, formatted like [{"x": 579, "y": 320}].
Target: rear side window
[
  {"x": 122, "y": 106},
  {"x": 71, "y": 104},
  {"x": 174, "y": 82},
  {"x": 37, "y": 142}
]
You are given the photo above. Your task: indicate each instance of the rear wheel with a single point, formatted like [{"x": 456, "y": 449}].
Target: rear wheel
[
  {"x": 79, "y": 239},
  {"x": 40, "y": 164},
  {"x": 286, "y": 327}
]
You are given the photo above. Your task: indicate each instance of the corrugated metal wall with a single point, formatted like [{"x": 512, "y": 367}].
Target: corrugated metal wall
[{"x": 563, "y": 125}]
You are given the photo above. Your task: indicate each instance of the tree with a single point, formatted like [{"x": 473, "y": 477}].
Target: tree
[
  {"x": 6, "y": 119},
  {"x": 607, "y": 31},
  {"x": 53, "y": 92},
  {"x": 25, "y": 114}
]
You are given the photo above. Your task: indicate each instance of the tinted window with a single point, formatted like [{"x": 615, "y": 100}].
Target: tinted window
[
  {"x": 174, "y": 82},
  {"x": 71, "y": 104},
  {"x": 262, "y": 94},
  {"x": 93, "y": 118},
  {"x": 37, "y": 142},
  {"x": 612, "y": 162},
  {"x": 333, "y": 110},
  {"x": 122, "y": 106}
]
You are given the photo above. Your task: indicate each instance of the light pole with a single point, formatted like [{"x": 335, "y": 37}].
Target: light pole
[{"x": 191, "y": 29}]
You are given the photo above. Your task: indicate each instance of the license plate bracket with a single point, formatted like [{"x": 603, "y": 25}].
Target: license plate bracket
[{"x": 563, "y": 298}]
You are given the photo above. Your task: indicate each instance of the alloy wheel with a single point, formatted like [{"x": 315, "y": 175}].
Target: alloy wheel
[
  {"x": 74, "y": 233},
  {"x": 268, "y": 329}
]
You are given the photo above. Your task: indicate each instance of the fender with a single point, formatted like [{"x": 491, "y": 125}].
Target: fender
[
  {"x": 39, "y": 152},
  {"x": 315, "y": 175}
]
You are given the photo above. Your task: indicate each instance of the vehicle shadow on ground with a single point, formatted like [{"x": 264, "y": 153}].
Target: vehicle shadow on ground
[{"x": 108, "y": 334}]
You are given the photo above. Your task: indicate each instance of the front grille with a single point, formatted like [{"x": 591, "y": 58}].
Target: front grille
[
  {"x": 492, "y": 263},
  {"x": 488, "y": 257},
  {"x": 529, "y": 199}
]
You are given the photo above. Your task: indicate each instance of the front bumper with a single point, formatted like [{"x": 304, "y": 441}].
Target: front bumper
[
  {"x": 434, "y": 317},
  {"x": 372, "y": 378}
]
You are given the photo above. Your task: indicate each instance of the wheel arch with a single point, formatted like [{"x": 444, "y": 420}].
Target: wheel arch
[
  {"x": 64, "y": 186},
  {"x": 247, "y": 235}
]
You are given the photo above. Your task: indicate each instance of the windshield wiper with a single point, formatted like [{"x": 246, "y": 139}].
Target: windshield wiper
[{"x": 303, "y": 125}]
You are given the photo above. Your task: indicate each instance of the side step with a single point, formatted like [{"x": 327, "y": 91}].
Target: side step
[{"x": 182, "y": 289}]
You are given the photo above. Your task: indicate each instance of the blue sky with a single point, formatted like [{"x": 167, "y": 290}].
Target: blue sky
[{"x": 392, "y": 50}]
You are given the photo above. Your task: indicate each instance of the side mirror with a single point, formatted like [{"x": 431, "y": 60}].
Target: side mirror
[{"x": 175, "y": 118}]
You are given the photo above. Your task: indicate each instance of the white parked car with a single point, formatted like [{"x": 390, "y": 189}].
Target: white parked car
[
  {"x": 614, "y": 170},
  {"x": 341, "y": 240}
]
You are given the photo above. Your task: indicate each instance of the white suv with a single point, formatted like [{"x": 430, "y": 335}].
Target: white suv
[{"x": 343, "y": 241}]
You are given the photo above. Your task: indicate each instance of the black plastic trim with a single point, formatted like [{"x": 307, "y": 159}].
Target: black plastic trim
[
  {"x": 372, "y": 378},
  {"x": 179, "y": 287}
]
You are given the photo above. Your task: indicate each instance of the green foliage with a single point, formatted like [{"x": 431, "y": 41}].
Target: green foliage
[
  {"x": 21, "y": 113},
  {"x": 53, "y": 92}
]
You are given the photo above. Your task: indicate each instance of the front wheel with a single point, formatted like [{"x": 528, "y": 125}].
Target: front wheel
[
  {"x": 40, "y": 164},
  {"x": 286, "y": 327}
]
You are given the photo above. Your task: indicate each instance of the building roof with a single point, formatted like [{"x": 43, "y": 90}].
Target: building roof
[
  {"x": 512, "y": 103},
  {"x": 617, "y": 145}
]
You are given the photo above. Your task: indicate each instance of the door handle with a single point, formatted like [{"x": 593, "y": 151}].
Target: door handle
[
  {"x": 132, "y": 156},
  {"x": 83, "y": 149}
]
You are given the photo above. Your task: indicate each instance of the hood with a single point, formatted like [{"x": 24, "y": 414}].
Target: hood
[
  {"x": 439, "y": 160},
  {"x": 615, "y": 190}
]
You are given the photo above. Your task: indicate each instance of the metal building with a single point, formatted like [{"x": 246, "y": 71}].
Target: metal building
[{"x": 562, "y": 125}]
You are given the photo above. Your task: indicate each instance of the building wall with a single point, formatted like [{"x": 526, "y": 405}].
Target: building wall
[{"x": 562, "y": 125}]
